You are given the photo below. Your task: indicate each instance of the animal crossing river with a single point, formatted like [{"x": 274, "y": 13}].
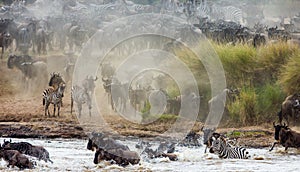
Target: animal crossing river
[{"x": 72, "y": 155}]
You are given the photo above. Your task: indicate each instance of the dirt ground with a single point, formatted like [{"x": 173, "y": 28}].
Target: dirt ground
[{"x": 22, "y": 116}]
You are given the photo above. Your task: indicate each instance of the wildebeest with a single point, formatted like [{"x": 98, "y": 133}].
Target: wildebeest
[
  {"x": 15, "y": 158},
  {"x": 89, "y": 84},
  {"x": 26, "y": 37},
  {"x": 55, "y": 80},
  {"x": 286, "y": 137},
  {"x": 117, "y": 93},
  {"x": 173, "y": 105},
  {"x": 31, "y": 69},
  {"x": 259, "y": 40},
  {"x": 8, "y": 32},
  {"x": 159, "y": 152},
  {"x": 109, "y": 149},
  {"x": 107, "y": 70},
  {"x": 208, "y": 133},
  {"x": 191, "y": 139},
  {"x": 5, "y": 41},
  {"x": 26, "y": 148},
  {"x": 138, "y": 97},
  {"x": 41, "y": 40},
  {"x": 289, "y": 107}
]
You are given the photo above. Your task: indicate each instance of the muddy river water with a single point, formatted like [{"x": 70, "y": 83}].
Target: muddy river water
[{"x": 72, "y": 155}]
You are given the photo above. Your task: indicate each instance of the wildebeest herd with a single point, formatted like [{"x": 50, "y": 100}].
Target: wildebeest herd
[{"x": 72, "y": 23}]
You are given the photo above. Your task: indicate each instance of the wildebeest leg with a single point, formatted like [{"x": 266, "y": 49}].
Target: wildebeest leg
[
  {"x": 96, "y": 157},
  {"x": 79, "y": 106},
  {"x": 54, "y": 109},
  {"x": 286, "y": 148},
  {"x": 58, "y": 109},
  {"x": 72, "y": 105},
  {"x": 90, "y": 113},
  {"x": 2, "y": 52},
  {"x": 280, "y": 117},
  {"x": 89, "y": 103},
  {"x": 44, "y": 47},
  {"x": 39, "y": 48},
  {"x": 273, "y": 145}
]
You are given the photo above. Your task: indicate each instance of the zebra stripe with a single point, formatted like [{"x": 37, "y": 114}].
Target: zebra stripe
[
  {"x": 101, "y": 9},
  {"x": 142, "y": 8},
  {"x": 203, "y": 9},
  {"x": 225, "y": 150},
  {"x": 228, "y": 13},
  {"x": 80, "y": 96}
]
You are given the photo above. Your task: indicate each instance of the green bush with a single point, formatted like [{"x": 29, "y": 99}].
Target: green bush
[
  {"x": 265, "y": 76},
  {"x": 243, "y": 111},
  {"x": 290, "y": 75},
  {"x": 269, "y": 101},
  {"x": 239, "y": 63},
  {"x": 272, "y": 57}
]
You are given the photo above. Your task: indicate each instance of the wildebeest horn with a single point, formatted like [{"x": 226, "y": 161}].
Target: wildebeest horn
[
  {"x": 274, "y": 124},
  {"x": 202, "y": 128},
  {"x": 284, "y": 124}
]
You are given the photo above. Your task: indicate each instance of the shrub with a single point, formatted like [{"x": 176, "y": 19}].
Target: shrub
[
  {"x": 290, "y": 75},
  {"x": 272, "y": 57},
  {"x": 243, "y": 111}
]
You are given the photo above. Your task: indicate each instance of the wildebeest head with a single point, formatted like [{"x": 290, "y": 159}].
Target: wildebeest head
[
  {"x": 89, "y": 83},
  {"x": 11, "y": 61},
  {"x": 91, "y": 145},
  {"x": 14, "y": 60},
  {"x": 278, "y": 129},
  {"x": 55, "y": 80},
  {"x": 207, "y": 133},
  {"x": 6, "y": 143}
]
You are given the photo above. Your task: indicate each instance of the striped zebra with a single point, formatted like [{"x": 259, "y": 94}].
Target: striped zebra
[
  {"x": 226, "y": 150},
  {"x": 139, "y": 8},
  {"x": 80, "y": 96},
  {"x": 227, "y": 13},
  {"x": 203, "y": 10},
  {"x": 52, "y": 96},
  {"x": 102, "y": 9}
]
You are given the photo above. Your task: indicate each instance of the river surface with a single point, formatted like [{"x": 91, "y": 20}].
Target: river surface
[{"x": 72, "y": 155}]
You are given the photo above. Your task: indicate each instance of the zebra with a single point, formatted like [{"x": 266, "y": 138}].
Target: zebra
[
  {"x": 52, "y": 96},
  {"x": 54, "y": 82},
  {"x": 228, "y": 13},
  {"x": 139, "y": 8},
  {"x": 203, "y": 10},
  {"x": 226, "y": 150},
  {"x": 80, "y": 96}
]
